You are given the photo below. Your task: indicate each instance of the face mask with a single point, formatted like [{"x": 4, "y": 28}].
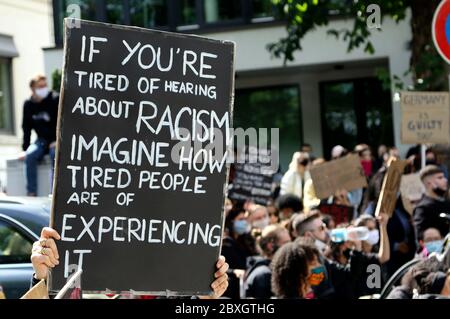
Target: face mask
[
  {"x": 317, "y": 275},
  {"x": 367, "y": 167},
  {"x": 434, "y": 246},
  {"x": 41, "y": 92},
  {"x": 261, "y": 224},
  {"x": 373, "y": 237},
  {"x": 321, "y": 246},
  {"x": 240, "y": 227}
]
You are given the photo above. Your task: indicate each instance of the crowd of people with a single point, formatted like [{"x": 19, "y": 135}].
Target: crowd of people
[{"x": 290, "y": 248}]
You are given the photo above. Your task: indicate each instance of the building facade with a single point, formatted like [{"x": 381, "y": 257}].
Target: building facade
[
  {"x": 26, "y": 28},
  {"x": 327, "y": 96}
]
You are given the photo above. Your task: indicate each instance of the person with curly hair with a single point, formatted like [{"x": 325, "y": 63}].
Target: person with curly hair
[{"x": 293, "y": 271}]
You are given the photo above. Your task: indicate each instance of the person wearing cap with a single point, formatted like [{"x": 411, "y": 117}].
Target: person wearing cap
[{"x": 433, "y": 203}]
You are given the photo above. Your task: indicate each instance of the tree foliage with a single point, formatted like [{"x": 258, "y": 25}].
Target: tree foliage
[{"x": 426, "y": 66}]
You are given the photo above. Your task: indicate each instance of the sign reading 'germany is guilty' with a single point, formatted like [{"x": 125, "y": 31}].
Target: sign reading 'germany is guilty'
[
  {"x": 425, "y": 117},
  {"x": 139, "y": 191}
]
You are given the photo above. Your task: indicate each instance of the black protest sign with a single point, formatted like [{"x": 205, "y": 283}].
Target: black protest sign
[
  {"x": 253, "y": 176},
  {"x": 143, "y": 134}
]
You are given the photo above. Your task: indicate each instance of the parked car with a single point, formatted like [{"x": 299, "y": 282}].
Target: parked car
[{"x": 21, "y": 222}]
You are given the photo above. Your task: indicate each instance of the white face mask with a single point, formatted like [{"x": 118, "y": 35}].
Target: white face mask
[
  {"x": 373, "y": 237},
  {"x": 261, "y": 224},
  {"x": 321, "y": 246},
  {"x": 42, "y": 92}
]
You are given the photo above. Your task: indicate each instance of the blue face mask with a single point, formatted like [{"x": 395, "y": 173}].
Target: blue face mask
[
  {"x": 434, "y": 246},
  {"x": 240, "y": 226}
]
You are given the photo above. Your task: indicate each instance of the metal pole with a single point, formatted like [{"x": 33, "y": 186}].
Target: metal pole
[{"x": 423, "y": 149}]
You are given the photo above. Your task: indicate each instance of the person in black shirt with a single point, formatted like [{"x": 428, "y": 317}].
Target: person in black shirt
[
  {"x": 40, "y": 114},
  {"x": 433, "y": 203},
  {"x": 258, "y": 276}
]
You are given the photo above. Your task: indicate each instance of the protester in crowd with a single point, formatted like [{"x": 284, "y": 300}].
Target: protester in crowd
[
  {"x": 338, "y": 151},
  {"x": 329, "y": 221},
  {"x": 429, "y": 278},
  {"x": 287, "y": 205},
  {"x": 40, "y": 113},
  {"x": 365, "y": 156},
  {"x": 402, "y": 238},
  {"x": 44, "y": 255},
  {"x": 433, "y": 203},
  {"x": 258, "y": 276},
  {"x": 294, "y": 179},
  {"x": 371, "y": 253},
  {"x": 293, "y": 271},
  {"x": 431, "y": 159},
  {"x": 400, "y": 227},
  {"x": 382, "y": 154},
  {"x": 309, "y": 194},
  {"x": 311, "y": 225},
  {"x": 345, "y": 279},
  {"x": 432, "y": 242},
  {"x": 237, "y": 245},
  {"x": 307, "y": 148},
  {"x": 273, "y": 212},
  {"x": 375, "y": 237},
  {"x": 258, "y": 217}
]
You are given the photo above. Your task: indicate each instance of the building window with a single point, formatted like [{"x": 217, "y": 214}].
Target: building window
[
  {"x": 352, "y": 111},
  {"x": 272, "y": 107},
  {"x": 148, "y": 13},
  {"x": 174, "y": 15},
  {"x": 187, "y": 14},
  {"x": 6, "y": 107},
  {"x": 263, "y": 10},
  {"x": 217, "y": 11},
  {"x": 115, "y": 11}
]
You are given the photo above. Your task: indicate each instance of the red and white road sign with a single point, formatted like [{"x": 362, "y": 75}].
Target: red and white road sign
[{"x": 441, "y": 29}]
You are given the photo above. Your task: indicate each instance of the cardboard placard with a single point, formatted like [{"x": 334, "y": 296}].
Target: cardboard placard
[
  {"x": 411, "y": 190},
  {"x": 343, "y": 173},
  {"x": 140, "y": 175},
  {"x": 391, "y": 185},
  {"x": 253, "y": 178},
  {"x": 425, "y": 117},
  {"x": 38, "y": 291},
  {"x": 340, "y": 213}
]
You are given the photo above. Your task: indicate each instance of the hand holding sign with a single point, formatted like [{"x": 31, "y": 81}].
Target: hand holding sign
[
  {"x": 43, "y": 260},
  {"x": 44, "y": 253}
]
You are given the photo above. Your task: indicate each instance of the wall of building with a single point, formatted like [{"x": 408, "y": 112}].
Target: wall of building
[
  {"x": 308, "y": 79},
  {"x": 390, "y": 43},
  {"x": 255, "y": 67},
  {"x": 29, "y": 22}
]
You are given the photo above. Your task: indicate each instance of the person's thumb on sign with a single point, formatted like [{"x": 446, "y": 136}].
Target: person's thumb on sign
[
  {"x": 220, "y": 284},
  {"x": 44, "y": 253}
]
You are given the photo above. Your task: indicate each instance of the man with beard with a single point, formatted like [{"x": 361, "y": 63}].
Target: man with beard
[{"x": 433, "y": 203}]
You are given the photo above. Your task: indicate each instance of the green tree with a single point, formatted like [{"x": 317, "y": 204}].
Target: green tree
[
  {"x": 427, "y": 68},
  {"x": 56, "y": 80}
]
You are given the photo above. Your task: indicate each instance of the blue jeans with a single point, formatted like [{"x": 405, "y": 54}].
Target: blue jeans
[{"x": 34, "y": 154}]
